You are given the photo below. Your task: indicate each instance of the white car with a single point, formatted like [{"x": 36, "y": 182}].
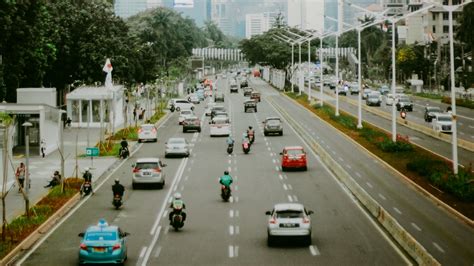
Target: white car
[
  {"x": 181, "y": 104},
  {"x": 148, "y": 171},
  {"x": 289, "y": 220},
  {"x": 209, "y": 108},
  {"x": 219, "y": 126},
  {"x": 177, "y": 147},
  {"x": 442, "y": 122},
  {"x": 147, "y": 132},
  {"x": 183, "y": 114},
  {"x": 389, "y": 99}
]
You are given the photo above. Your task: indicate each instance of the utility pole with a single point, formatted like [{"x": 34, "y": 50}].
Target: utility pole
[{"x": 4, "y": 126}]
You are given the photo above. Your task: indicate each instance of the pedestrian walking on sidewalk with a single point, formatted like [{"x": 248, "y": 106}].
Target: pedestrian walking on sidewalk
[
  {"x": 20, "y": 176},
  {"x": 43, "y": 147},
  {"x": 134, "y": 113}
]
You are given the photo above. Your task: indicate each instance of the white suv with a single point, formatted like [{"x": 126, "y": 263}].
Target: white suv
[
  {"x": 442, "y": 122},
  {"x": 148, "y": 171},
  {"x": 181, "y": 104}
]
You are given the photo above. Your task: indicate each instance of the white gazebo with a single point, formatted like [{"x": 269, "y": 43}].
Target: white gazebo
[{"x": 96, "y": 106}]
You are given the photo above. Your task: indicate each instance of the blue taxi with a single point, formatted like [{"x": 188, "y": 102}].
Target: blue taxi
[{"x": 103, "y": 243}]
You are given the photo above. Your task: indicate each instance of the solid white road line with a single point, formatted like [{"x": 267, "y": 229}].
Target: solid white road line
[
  {"x": 165, "y": 214},
  {"x": 314, "y": 250},
  {"x": 150, "y": 247}
]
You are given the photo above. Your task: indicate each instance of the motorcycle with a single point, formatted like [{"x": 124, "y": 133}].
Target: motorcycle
[
  {"x": 246, "y": 147},
  {"x": 86, "y": 188},
  {"x": 124, "y": 153},
  {"x": 225, "y": 193},
  {"x": 117, "y": 202},
  {"x": 230, "y": 148},
  {"x": 177, "y": 219}
]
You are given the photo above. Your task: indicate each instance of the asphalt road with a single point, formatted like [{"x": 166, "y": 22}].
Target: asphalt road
[
  {"x": 232, "y": 233},
  {"x": 465, "y": 157}
]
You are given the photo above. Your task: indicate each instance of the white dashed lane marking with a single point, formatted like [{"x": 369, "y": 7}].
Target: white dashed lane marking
[
  {"x": 290, "y": 198},
  {"x": 281, "y": 177},
  {"x": 314, "y": 250},
  {"x": 382, "y": 196},
  {"x": 359, "y": 175},
  {"x": 438, "y": 247},
  {"x": 370, "y": 185},
  {"x": 285, "y": 187},
  {"x": 416, "y": 226},
  {"x": 397, "y": 210}
]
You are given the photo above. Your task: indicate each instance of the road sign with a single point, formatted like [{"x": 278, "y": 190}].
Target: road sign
[{"x": 92, "y": 152}]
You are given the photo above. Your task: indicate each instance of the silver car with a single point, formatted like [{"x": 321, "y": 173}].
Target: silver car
[
  {"x": 289, "y": 220},
  {"x": 148, "y": 171},
  {"x": 177, "y": 147}
]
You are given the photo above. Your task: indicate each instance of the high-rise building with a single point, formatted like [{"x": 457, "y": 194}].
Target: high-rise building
[
  {"x": 306, "y": 14},
  {"x": 198, "y": 10},
  {"x": 350, "y": 15},
  {"x": 128, "y": 8},
  {"x": 259, "y": 23}
]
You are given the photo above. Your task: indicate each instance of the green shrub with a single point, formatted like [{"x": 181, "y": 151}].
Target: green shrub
[
  {"x": 387, "y": 145},
  {"x": 429, "y": 95},
  {"x": 459, "y": 102},
  {"x": 462, "y": 185},
  {"x": 427, "y": 166}
]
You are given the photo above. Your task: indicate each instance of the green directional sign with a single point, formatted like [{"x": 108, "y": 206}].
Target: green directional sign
[{"x": 92, "y": 152}]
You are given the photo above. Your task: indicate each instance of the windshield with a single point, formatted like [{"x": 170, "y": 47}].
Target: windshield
[
  {"x": 176, "y": 141},
  {"x": 96, "y": 236},
  {"x": 294, "y": 152},
  {"x": 434, "y": 110},
  {"x": 290, "y": 214},
  {"x": 146, "y": 165},
  {"x": 220, "y": 121},
  {"x": 444, "y": 118},
  {"x": 273, "y": 122}
]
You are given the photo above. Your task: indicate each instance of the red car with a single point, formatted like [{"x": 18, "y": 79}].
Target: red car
[{"x": 293, "y": 157}]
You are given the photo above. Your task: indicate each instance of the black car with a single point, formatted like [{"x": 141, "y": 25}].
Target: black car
[
  {"x": 234, "y": 88},
  {"x": 430, "y": 112},
  {"x": 250, "y": 104},
  {"x": 244, "y": 83},
  {"x": 272, "y": 125}
]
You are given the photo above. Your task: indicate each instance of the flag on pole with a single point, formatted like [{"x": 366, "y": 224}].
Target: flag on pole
[{"x": 108, "y": 69}]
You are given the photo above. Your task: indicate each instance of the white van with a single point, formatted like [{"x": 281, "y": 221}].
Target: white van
[{"x": 181, "y": 104}]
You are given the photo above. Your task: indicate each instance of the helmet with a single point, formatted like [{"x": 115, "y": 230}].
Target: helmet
[
  {"x": 177, "y": 195},
  {"x": 86, "y": 169},
  {"x": 226, "y": 172},
  {"x": 117, "y": 181}
]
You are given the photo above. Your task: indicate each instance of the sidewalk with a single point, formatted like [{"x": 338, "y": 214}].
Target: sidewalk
[{"x": 41, "y": 169}]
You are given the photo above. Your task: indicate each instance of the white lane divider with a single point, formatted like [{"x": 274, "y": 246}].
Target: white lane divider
[
  {"x": 165, "y": 214},
  {"x": 236, "y": 187},
  {"x": 348, "y": 166},
  {"x": 280, "y": 176},
  {"x": 382, "y": 197},
  {"x": 230, "y": 161},
  {"x": 438, "y": 247},
  {"x": 340, "y": 159},
  {"x": 231, "y": 199},
  {"x": 231, "y": 213},
  {"x": 276, "y": 168},
  {"x": 157, "y": 253},
  {"x": 274, "y": 161},
  {"x": 359, "y": 175},
  {"x": 269, "y": 149},
  {"x": 397, "y": 210},
  {"x": 370, "y": 185},
  {"x": 314, "y": 250},
  {"x": 233, "y": 251},
  {"x": 333, "y": 152},
  {"x": 142, "y": 252},
  {"x": 285, "y": 187},
  {"x": 416, "y": 226},
  {"x": 290, "y": 198},
  {"x": 231, "y": 230},
  {"x": 150, "y": 247}
]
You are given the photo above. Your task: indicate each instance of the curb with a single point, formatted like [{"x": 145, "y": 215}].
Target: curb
[
  {"x": 51, "y": 221},
  {"x": 43, "y": 228},
  {"x": 401, "y": 236}
]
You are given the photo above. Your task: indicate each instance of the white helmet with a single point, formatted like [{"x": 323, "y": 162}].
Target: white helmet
[
  {"x": 177, "y": 196},
  {"x": 86, "y": 169}
]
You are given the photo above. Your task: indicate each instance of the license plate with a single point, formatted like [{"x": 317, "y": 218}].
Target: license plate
[
  {"x": 146, "y": 173},
  {"x": 288, "y": 225},
  {"x": 175, "y": 148},
  {"x": 99, "y": 249}
]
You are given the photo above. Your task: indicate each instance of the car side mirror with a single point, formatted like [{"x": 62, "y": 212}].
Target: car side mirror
[
  {"x": 268, "y": 213},
  {"x": 310, "y": 212},
  {"x": 81, "y": 234}
]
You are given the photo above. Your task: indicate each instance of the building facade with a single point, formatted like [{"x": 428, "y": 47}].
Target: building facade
[
  {"x": 128, "y": 8},
  {"x": 306, "y": 14},
  {"x": 259, "y": 23}
]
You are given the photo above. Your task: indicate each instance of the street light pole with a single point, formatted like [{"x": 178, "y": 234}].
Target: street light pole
[
  {"x": 292, "y": 66},
  {"x": 61, "y": 149},
  {"x": 26, "y": 125}
]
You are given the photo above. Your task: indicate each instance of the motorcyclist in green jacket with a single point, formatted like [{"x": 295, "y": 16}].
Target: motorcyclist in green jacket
[{"x": 226, "y": 179}]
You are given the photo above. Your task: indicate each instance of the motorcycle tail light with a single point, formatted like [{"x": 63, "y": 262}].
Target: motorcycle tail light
[
  {"x": 83, "y": 246},
  {"x": 116, "y": 246}
]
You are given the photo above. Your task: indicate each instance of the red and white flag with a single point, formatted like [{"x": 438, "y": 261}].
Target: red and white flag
[{"x": 108, "y": 66}]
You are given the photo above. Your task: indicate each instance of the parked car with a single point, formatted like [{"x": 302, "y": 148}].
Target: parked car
[
  {"x": 183, "y": 114},
  {"x": 148, "y": 171},
  {"x": 219, "y": 126},
  {"x": 255, "y": 95},
  {"x": 248, "y": 91},
  {"x": 289, "y": 220},
  {"x": 293, "y": 157},
  {"x": 443, "y": 122},
  {"x": 272, "y": 125},
  {"x": 430, "y": 112},
  {"x": 103, "y": 243},
  {"x": 147, "y": 132},
  {"x": 191, "y": 123},
  {"x": 405, "y": 103},
  {"x": 219, "y": 97},
  {"x": 250, "y": 104},
  {"x": 177, "y": 147},
  {"x": 373, "y": 100}
]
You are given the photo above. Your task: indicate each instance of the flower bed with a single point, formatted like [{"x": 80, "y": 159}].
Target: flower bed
[
  {"x": 428, "y": 170},
  {"x": 22, "y": 226}
]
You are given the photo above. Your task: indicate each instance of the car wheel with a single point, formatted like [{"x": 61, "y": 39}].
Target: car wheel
[
  {"x": 283, "y": 169},
  {"x": 265, "y": 133},
  {"x": 281, "y": 133},
  {"x": 270, "y": 241},
  {"x": 161, "y": 185},
  {"x": 255, "y": 110},
  {"x": 199, "y": 130},
  {"x": 156, "y": 140},
  {"x": 134, "y": 186},
  {"x": 308, "y": 241},
  {"x": 178, "y": 109},
  {"x": 139, "y": 140},
  {"x": 305, "y": 168}
]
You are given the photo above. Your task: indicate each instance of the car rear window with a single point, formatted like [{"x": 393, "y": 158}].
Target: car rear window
[
  {"x": 289, "y": 214},
  {"x": 147, "y": 128},
  {"x": 220, "y": 121},
  {"x": 146, "y": 165},
  {"x": 97, "y": 236},
  {"x": 176, "y": 141},
  {"x": 273, "y": 122},
  {"x": 294, "y": 152}
]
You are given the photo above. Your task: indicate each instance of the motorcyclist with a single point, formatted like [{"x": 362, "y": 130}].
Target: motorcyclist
[
  {"x": 87, "y": 178},
  {"x": 117, "y": 188},
  {"x": 251, "y": 133},
  {"x": 177, "y": 202},
  {"x": 123, "y": 147},
  {"x": 230, "y": 140},
  {"x": 226, "y": 179}
]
